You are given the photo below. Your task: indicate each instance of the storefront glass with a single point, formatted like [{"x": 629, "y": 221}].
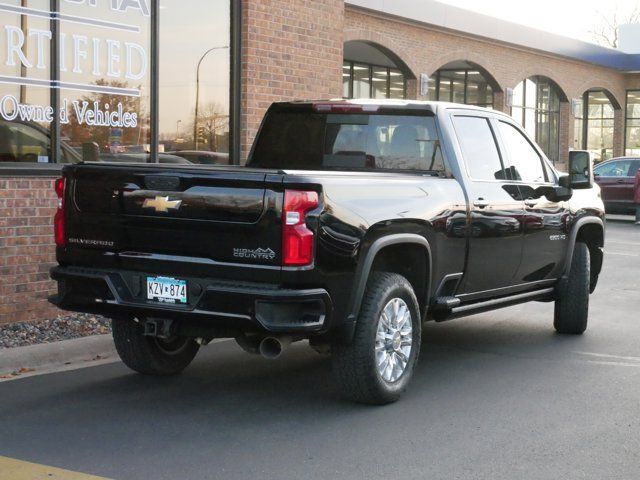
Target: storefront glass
[
  {"x": 594, "y": 125},
  {"x": 361, "y": 80},
  {"x": 195, "y": 71},
  {"x": 536, "y": 106},
  {"x": 632, "y": 136},
  {"x": 80, "y": 77},
  {"x": 462, "y": 85}
]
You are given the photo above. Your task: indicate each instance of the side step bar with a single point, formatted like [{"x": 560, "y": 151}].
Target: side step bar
[{"x": 493, "y": 304}]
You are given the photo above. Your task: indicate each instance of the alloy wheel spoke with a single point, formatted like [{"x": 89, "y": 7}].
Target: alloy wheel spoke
[{"x": 393, "y": 340}]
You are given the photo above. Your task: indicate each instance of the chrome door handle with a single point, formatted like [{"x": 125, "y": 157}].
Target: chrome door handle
[
  {"x": 531, "y": 202},
  {"x": 481, "y": 203}
]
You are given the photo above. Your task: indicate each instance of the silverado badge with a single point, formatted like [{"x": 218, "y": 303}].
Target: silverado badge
[{"x": 162, "y": 204}]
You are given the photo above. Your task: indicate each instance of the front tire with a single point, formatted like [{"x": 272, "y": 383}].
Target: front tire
[
  {"x": 376, "y": 367},
  {"x": 572, "y": 296},
  {"x": 151, "y": 355}
]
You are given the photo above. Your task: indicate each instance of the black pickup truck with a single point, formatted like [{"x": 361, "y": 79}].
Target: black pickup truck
[{"x": 352, "y": 223}]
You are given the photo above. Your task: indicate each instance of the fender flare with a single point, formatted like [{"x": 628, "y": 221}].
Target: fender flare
[
  {"x": 574, "y": 236},
  {"x": 364, "y": 269}
]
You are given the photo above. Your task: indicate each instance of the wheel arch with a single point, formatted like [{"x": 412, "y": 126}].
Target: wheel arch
[
  {"x": 380, "y": 255},
  {"x": 590, "y": 231}
]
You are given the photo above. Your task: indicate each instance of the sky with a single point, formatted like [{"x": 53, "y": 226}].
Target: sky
[{"x": 571, "y": 18}]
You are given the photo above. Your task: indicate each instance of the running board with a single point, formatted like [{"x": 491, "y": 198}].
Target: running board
[{"x": 479, "y": 307}]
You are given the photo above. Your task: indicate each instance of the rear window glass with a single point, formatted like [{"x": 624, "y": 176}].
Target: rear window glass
[{"x": 317, "y": 141}]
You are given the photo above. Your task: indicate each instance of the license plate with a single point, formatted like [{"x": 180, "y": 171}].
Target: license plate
[{"x": 168, "y": 290}]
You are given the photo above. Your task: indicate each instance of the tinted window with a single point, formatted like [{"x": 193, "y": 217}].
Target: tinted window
[
  {"x": 618, "y": 168},
  {"x": 525, "y": 163},
  {"x": 635, "y": 166},
  {"x": 479, "y": 148},
  {"x": 305, "y": 140}
]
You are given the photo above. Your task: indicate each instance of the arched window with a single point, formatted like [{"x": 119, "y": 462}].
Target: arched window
[
  {"x": 461, "y": 82},
  {"x": 594, "y": 114},
  {"x": 632, "y": 134},
  {"x": 371, "y": 71},
  {"x": 536, "y": 106},
  {"x": 362, "y": 80}
]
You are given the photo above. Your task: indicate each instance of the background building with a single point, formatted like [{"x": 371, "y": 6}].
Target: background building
[{"x": 191, "y": 80}]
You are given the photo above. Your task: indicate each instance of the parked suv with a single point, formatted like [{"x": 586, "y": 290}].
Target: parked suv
[{"x": 616, "y": 179}]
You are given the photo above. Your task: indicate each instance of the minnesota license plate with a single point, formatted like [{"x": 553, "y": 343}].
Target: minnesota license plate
[{"x": 168, "y": 290}]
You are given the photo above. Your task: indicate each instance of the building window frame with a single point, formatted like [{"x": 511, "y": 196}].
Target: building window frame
[
  {"x": 587, "y": 118},
  {"x": 627, "y": 118},
  {"x": 438, "y": 81},
  {"x": 371, "y": 66},
  {"x": 235, "y": 72},
  {"x": 552, "y": 147}
]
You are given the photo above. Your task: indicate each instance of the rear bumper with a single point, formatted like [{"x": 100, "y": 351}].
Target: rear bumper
[{"x": 230, "y": 305}]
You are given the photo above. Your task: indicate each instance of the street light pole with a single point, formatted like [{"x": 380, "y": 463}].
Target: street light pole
[
  {"x": 178, "y": 129},
  {"x": 195, "y": 120}
]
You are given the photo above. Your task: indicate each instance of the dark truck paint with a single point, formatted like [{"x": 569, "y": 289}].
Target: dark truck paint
[{"x": 464, "y": 244}]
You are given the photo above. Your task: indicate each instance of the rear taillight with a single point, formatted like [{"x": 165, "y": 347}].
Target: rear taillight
[
  {"x": 297, "y": 239},
  {"x": 58, "y": 220}
]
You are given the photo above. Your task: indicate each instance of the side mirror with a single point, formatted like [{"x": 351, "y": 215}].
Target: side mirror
[{"x": 580, "y": 170}]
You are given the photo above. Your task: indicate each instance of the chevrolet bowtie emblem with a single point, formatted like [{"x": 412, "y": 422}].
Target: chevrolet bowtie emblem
[{"x": 161, "y": 204}]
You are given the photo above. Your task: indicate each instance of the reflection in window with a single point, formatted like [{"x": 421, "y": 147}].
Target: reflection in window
[
  {"x": 525, "y": 163},
  {"x": 302, "y": 140},
  {"x": 536, "y": 106},
  {"x": 479, "y": 149},
  {"x": 361, "y": 80},
  {"x": 632, "y": 134},
  {"x": 109, "y": 107},
  {"x": 26, "y": 112},
  {"x": 104, "y": 104},
  {"x": 462, "y": 85},
  {"x": 195, "y": 71},
  {"x": 594, "y": 123}
]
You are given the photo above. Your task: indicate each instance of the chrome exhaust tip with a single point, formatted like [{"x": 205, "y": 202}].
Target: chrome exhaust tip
[{"x": 272, "y": 347}]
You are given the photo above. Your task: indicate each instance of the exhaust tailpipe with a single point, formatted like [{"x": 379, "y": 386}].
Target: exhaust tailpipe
[{"x": 272, "y": 347}]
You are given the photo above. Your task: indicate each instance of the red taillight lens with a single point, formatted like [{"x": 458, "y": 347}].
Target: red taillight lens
[
  {"x": 297, "y": 239},
  {"x": 58, "y": 220}
]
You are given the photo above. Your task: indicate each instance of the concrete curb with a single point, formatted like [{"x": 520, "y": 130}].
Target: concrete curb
[{"x": 56, "y": 356}]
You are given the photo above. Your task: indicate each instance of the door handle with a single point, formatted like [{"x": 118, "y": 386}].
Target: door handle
[
  {"x": 620, "y": 181},
  {"x": 481, "y": 203},
  {"x": 531, "y": 202}
]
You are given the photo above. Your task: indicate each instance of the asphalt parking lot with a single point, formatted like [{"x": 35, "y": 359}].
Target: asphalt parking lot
[{"x": 495, "y": 396}]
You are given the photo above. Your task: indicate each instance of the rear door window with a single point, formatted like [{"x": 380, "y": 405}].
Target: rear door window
[
  {"x": 479, "y": 149},
  {"x": 304, "y": 140}
]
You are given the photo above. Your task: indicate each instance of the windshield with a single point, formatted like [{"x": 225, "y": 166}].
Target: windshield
[{"x": 320, "y": 141}]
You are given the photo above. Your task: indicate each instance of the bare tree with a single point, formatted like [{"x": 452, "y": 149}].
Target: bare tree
[
  {"x": 606, "y": 31},
  {"x": 215, "y": 121}
]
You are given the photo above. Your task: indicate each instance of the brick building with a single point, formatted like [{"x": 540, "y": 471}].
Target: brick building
[{"x": 190, "y": 82}]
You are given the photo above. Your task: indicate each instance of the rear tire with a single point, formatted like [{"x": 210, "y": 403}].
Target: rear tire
[
  {"x": 151, "y": 355},
  {"x": 376, "y": 367},
  {"x": 572, "y": 295}
]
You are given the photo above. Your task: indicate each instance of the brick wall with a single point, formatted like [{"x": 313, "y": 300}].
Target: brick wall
[
  {"x": 27, "y": 250},
  {"x": 426, "y": 49},
  {"x": 292, "y": 49}
]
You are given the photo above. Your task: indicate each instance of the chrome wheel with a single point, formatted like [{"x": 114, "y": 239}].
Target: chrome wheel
[{"x": 394, "y": 336}]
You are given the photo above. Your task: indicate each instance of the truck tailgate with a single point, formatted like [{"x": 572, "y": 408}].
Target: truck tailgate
[{"x": 226, "y": 215}]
